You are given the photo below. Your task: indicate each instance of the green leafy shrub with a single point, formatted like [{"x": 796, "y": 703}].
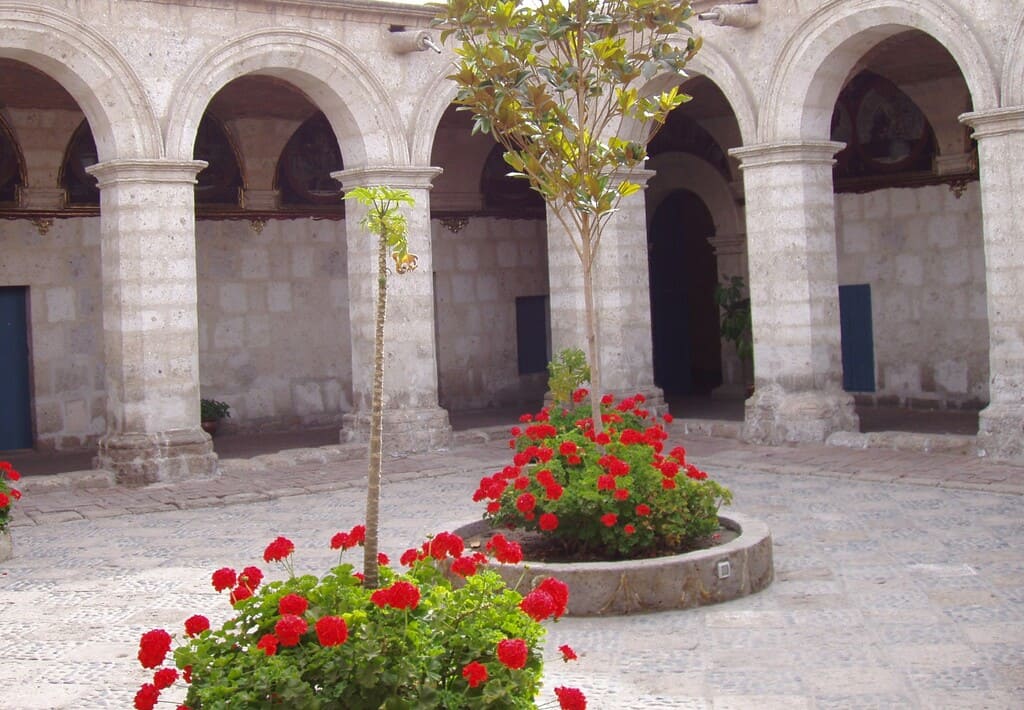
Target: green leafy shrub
[
  {"x": 567, "y": 373},
  {"x": 612, "y": 494},
  {"x": 210, "y": 410},
  {"x": 418, "y": 641}
]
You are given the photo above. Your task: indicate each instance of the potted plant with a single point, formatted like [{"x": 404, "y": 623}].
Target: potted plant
[
  {"x": 211, "y": 411},
  {"x": 736, "y": 324},
  {"x": 7, "y": 497}
]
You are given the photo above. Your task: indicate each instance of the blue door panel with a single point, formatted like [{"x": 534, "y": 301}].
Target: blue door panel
[
  {"x": 858, "y": 344},
  {"x": 15, "y": 419}
]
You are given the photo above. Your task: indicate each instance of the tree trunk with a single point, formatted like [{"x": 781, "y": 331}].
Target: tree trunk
[
  {"x": 373, "y": 484},
  {"x": 593, "y": 342}
]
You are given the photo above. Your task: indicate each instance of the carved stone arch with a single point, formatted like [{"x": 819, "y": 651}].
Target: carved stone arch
[
  {"x": 437, "y": 97},
  {"x": 815, "y": 62},
  {"x": 92, "y": 70},
  {"x": 1012, "y": 84},
  {"x": 354, "y": 99},
  {"x": 686, "y": 171},
  {"x": 12, "y": 164}
]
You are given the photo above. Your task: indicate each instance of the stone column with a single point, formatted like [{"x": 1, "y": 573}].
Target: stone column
[
  {"x": 1000, "y": 137},
  {"x": 150, "y": 323},
  {"x": 413, "y": 420},
  {"x": 622, "y": 298},
  {"x": 791, "y": 251}
]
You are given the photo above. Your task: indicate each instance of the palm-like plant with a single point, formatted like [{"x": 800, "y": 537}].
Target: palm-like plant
[{"x": 384, "y": 221}]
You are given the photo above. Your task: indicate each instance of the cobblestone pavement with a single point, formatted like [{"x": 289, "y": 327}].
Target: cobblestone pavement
[{"x": 899, "y": 576}]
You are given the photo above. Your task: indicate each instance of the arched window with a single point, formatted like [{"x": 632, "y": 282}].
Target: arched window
[
  {"x": 12, "y": 166},
  {"x": 79, "y": 185},
  {"x": 307, "y": 161}
]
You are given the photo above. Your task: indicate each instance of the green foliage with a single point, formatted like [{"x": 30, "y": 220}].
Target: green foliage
[
  {"x": 383, "y": 219},
  {"x": 613, "y": 494},
  {"x": 400, "y": 658},
  {"x": 567, "y": 373},
  {"x": 553, "y": 80},
  {"x": 736, "y": 323},
  {"x": 211, "y": 410}
]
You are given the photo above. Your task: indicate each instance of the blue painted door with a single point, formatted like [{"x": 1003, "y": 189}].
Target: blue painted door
[
  {"x": 15, "y": 419},
  {"x": 858, "y": 342}
]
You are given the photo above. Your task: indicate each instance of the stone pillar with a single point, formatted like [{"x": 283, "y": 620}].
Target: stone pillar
[
  {"x": 794, "y": 294},
  {"x": 1000, "y": 137},
  {"x": 150, "y": 323},
  {"x": 413, "y": 420},
  {"x": 622, "y": 298}
]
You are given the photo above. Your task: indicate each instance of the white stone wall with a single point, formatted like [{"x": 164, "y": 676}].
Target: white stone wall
[
  {"x": 479, "y": 272},
  {"x": 274, "y": 321},
  {"x": 62, "y": 271},
  {"x": 921, "y": 251}
]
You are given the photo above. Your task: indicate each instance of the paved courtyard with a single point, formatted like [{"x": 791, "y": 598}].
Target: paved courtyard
[{"x": 899, "y": 577}]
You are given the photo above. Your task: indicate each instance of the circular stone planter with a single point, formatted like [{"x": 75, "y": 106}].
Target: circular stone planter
[
  {"x": 6, "y": 545},
  {"x": 734, "y": 569}
]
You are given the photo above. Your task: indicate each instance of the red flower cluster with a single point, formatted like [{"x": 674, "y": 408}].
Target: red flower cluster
[
  {"x": 540, "y": 432},
  {"x": 400, "y": 595},
  {"x": 7, "y": 472},
  {"x": 538, "y": 605},
  {"x": 345, "y": 541},
  {"x": 505, "y": 550},
  {"x": 153, "y": 648},
  {"x": 195, "y": 625},
  {"x": 475, "y": 673},
  {"x": 289, "y": 629},
  {"x": 292, "y": 604},
  {"x": 331, "y": 631},
  {"x": 278, "y": 549},
  {"x": 444, "y": 544},
  {"x": 571, "y": 698},
  {"x": 568, "y": 654},
  {"x": 268, "y": 644},
  {"x": 513, "y": 653},
  {"x": 580, "y": 395}
]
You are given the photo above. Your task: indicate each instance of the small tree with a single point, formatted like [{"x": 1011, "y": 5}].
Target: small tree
[
  {"x": 384, "y": 221},
  {"x": 556, "y": 82}
]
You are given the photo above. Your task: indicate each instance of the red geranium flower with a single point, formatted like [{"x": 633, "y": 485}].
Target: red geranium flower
[
  {"x": 567, "y": 653},
  {"x": 251, "y": 577},
  {"x": 444, "y": 544},
  {"x": 629, "y": 529},
  {"x": 409, "y": 557},
  {"x": 267, "y": 644},
  {"x": 668, "y": 484},
  {"x": 580, "y": 395},
  {"x": 164, "y": 678},
  {"x": 512, "y": 653},
  {"x": 609, "y": 519},
  {"x": 558, "y": 591},
  {"x": 548, "y": 521},
  {"x": 464, "y": 566},
  {"x": 526, "y": 503},
  {"x": 538, "y": 605},
  {"x": 4, "y": 500},
  {"x": 505, "y": 550},
  {"x": 571, "y": 699},
  {"x": 239, "y": 593},
  {"x": 331, "y": 631},
  {"x": 289, "y": 628},
  {"x": 606, "y": 482},
  {"x": 521, "y": 483},
  {"x": 493, "y": 507},
  {"x": 292, "y": 604},
  {"x": 224, "y": 578},
  {"x": 667, "y": 417},
  {"x": 607, "y": 399},
  {"x": 195, "y": 625},
  {"x": 621, "y": 494},
  {"x": 643, "y": 510},
  {"x": 383, "y": 560},
  {"x": 279, "y": 549},
  {"x": 475, "y": 673},
  {"x": 554, "y": 491},
  {"x": 147, "y": 697},
  {"x": 400, "y": 595},
  {"x": 153, "y": 648}
]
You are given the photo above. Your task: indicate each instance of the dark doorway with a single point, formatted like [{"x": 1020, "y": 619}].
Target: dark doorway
[
  {"x": 15, "y": 415},
  {"x": 684, "y": 316},
  {"x": 858, "y": 345}
]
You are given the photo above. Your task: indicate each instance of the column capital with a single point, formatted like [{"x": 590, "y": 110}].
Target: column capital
[
  {"x": 786, "y": 152},
  {"x": 111, "y": 172},
  {"x": 637, "y": 175},
  {"x": 404, "y": 177},
  {"x": 996, "y": 122}
]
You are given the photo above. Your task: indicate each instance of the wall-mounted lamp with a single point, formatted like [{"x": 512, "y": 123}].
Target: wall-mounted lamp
[
  {"x": 403, "y": 41},
  {"x": 746, "y": 15}
]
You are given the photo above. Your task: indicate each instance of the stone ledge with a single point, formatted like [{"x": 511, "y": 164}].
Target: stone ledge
[
  {"x": 675, "y": 582},
  {"x": 96, "y": 478}
]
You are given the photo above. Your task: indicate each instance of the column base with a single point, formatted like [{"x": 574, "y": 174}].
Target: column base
[
  {"x": 1001, "y": 432},
  {"x": 406, "y": 431},
  {"x": 165, "y": 456},
  {"x": 774, "y": 416}
]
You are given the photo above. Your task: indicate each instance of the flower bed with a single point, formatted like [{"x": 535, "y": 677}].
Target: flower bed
[{"x": 416, "y": 641}]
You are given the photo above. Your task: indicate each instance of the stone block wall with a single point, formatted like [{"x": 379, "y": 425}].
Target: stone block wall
[
  {"x": 274, "y": 321},
  {"x": 61, "y": 268},
  {"x": 479, "y": 272},
  {"x": 921, "y": 252}
]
